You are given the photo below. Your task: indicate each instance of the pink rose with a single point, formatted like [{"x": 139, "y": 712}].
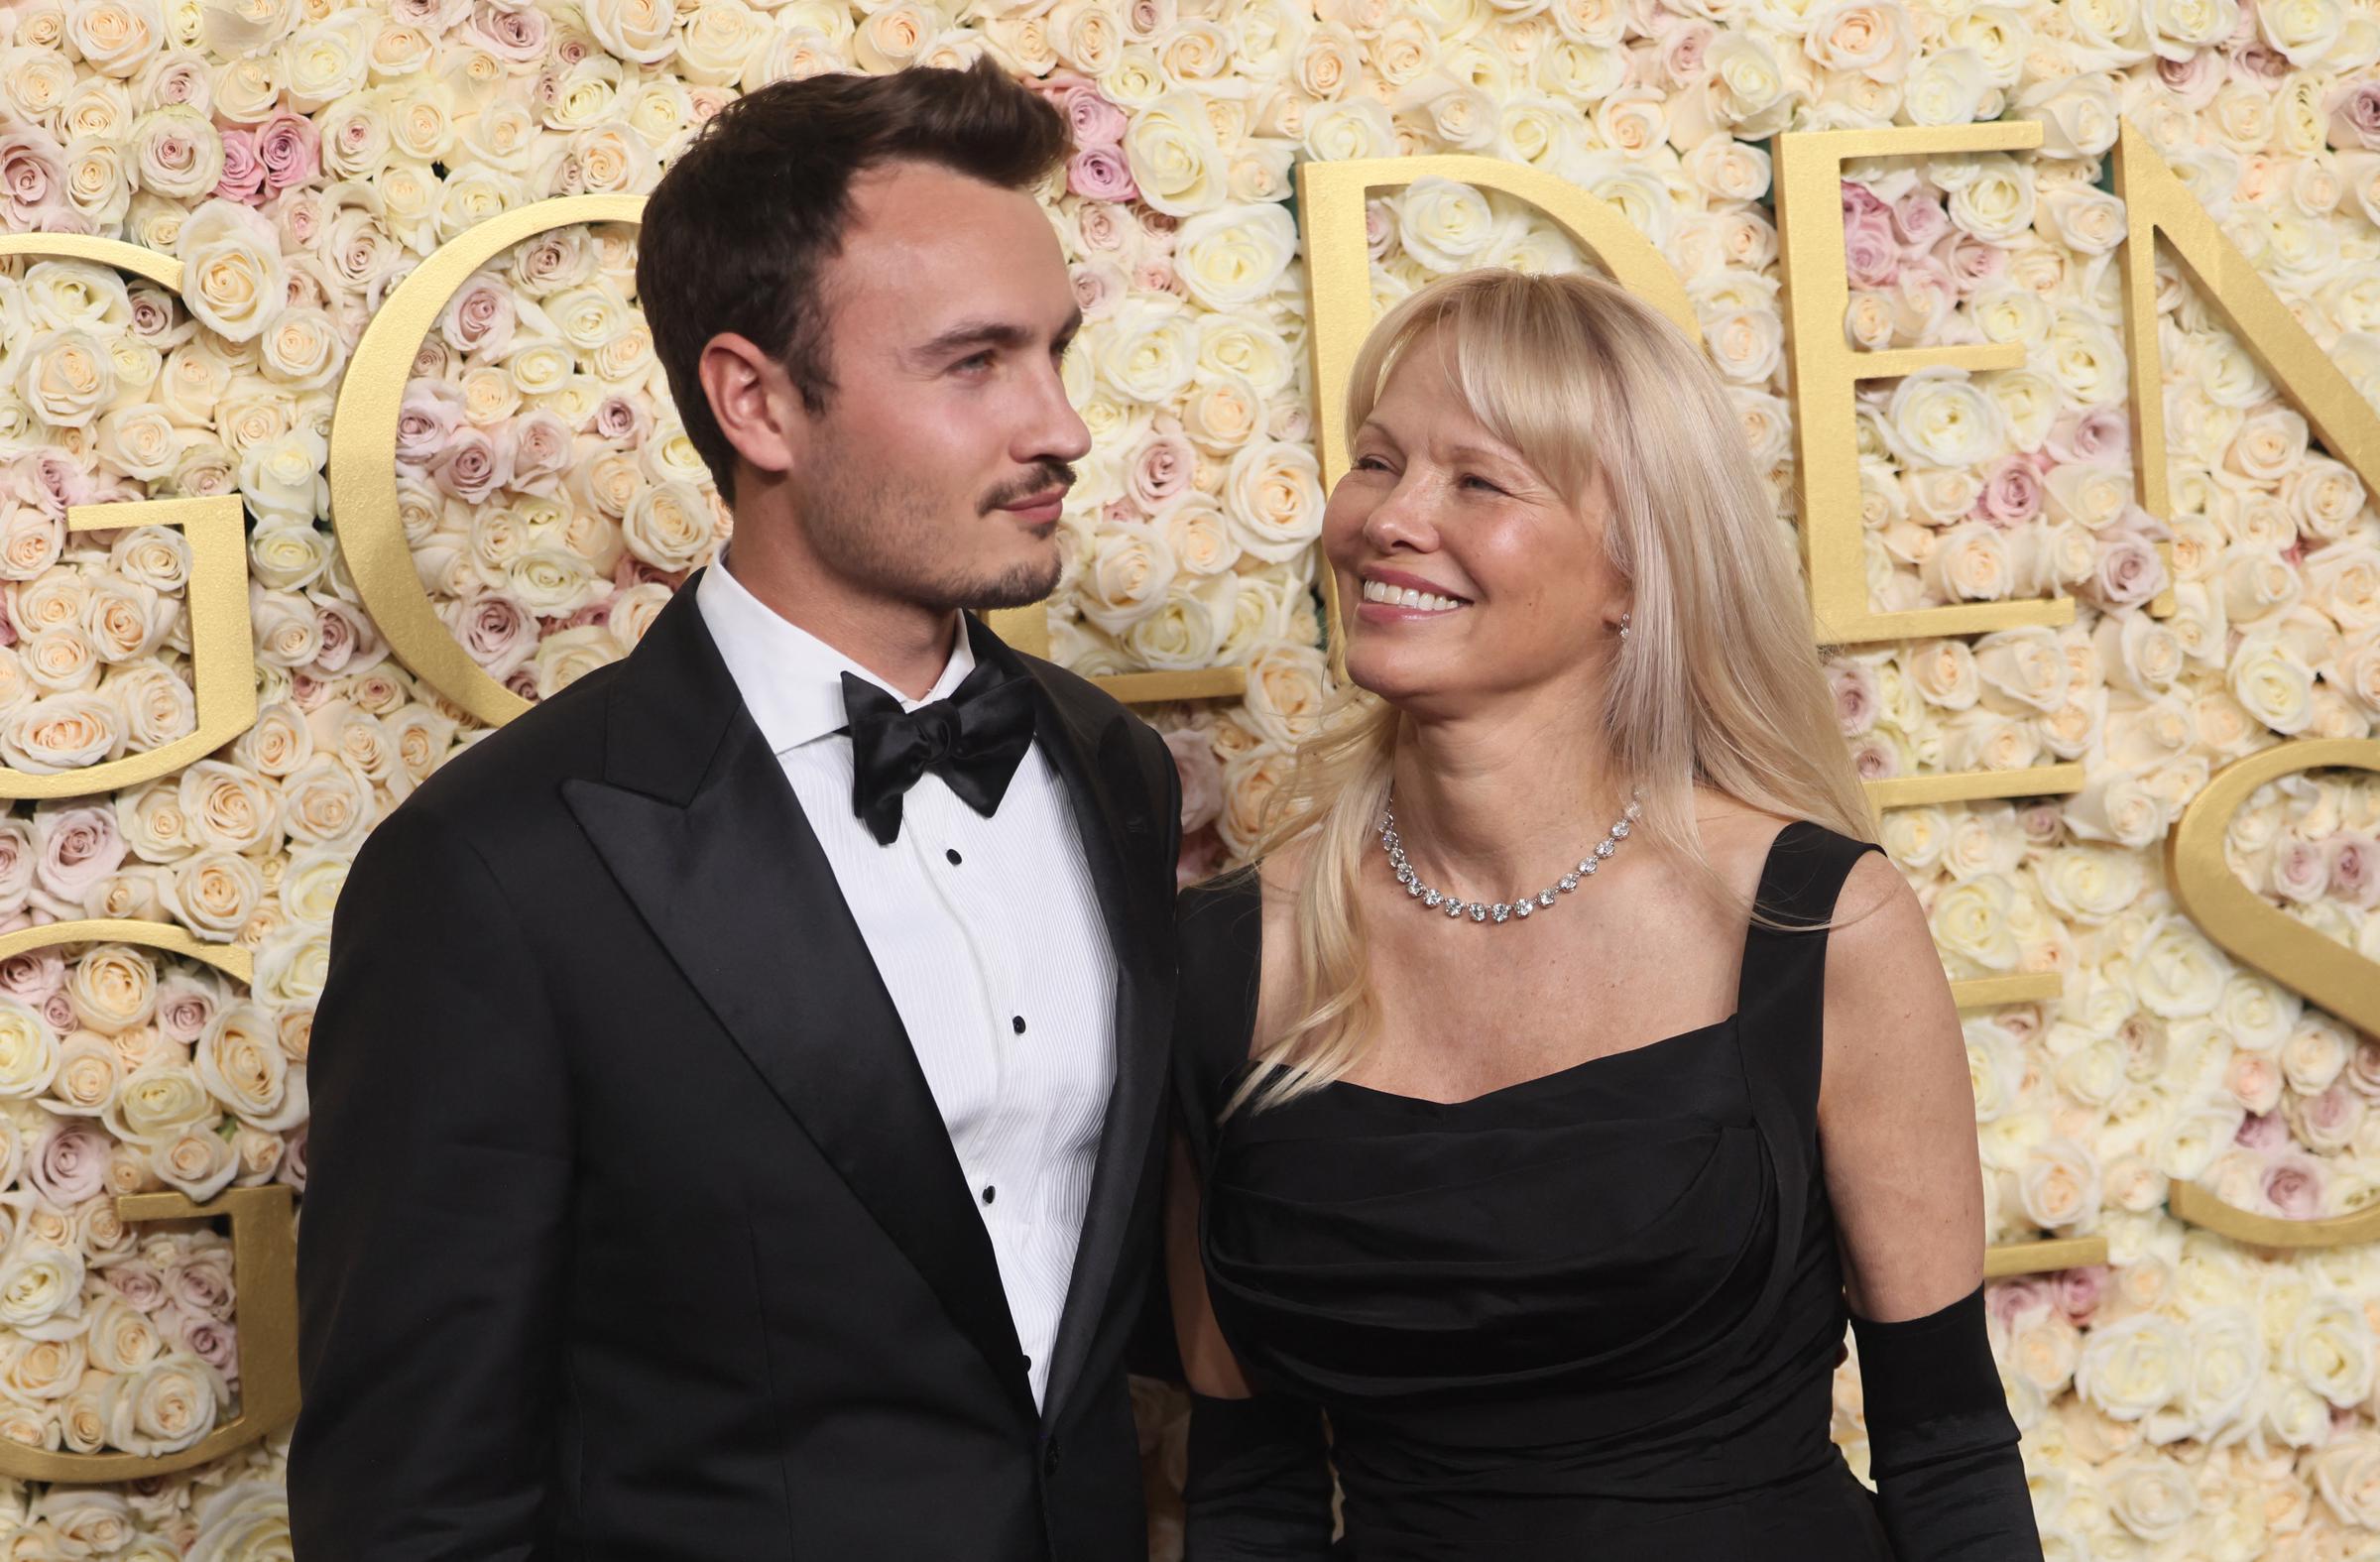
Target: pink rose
[
  {"x": 2076, "y": 1292},
  {"x": 1857, "y": 697},
  {"x": 2040, "y": 822},
  {"x": 69, "y": 1162},
  {"x": 34, "y": 975},
  {"x": 75, "y": 848},
  {"x": 1920, "y": 219},
  {"x": 472, "y": 465},
  {"x": 1202, "y": 777},
  {"x": 2011, "y": 494},
  {"x": 541, "y": 448},
  {"x": 1159, "y": 468},
  {"x": 427, "y": 415},
  {"x": 516, "y": 37},
  {"x": 480, "y": 317},
  {"x": 1871, "y": 253},
  {"x": 50, "y": 481},
  {"x": 2354, "y": 868},
  {"x": 58, "y": 1010},
  {"x": 2295, "y": 1187},
  {"x": 177, "y": 81},
  {"x": 201, "y": 1284},
  {"x": 1095, "y": 121},
  {"x": 209, "y": 1339},
  {"x": 495, "y": 631},
  {"x": 32, "y": 175},
  {"x": 1969, "y": 262},
  {"x": 620, "y": 421},
  {"x": 2355, "y": 116},
  {"x": 2194, "y": 82},
  {"x": 137, "y": 1281},
  {"x": 1875, "y": 758},
  {"x": 1101, "y": 174},
  {"x": 292, "y": 149},
  {"x": 293, "y": 1161},
  {"x": 184, "y": 1007},
  {"x": 1101, "y": 227},
  {"x": 2264, "y": 1131},
  {"x": 2097, "y": 434},
  {"x": 1686, "y": 52},
  {"x": 2301, "y": 870},
  {"x": 2125, "y": 571},
  {"x": 2009, "y": 1300},
  {"x": 2259, "y": 64},
  {"x": 2364, "y": 1068},
  {"x": 243, "y": 172},
  {"x": 350, "y": 644}
]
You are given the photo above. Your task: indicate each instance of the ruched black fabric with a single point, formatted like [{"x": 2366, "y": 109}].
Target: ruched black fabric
[{"x": 1591, "y": 1315}]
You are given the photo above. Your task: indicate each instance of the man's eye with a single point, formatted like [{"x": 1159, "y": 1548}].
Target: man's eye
[{"x": 975, "y": 361}]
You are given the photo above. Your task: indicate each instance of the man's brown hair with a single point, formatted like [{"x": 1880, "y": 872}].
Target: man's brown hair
[{"x": 738, "y": 234}]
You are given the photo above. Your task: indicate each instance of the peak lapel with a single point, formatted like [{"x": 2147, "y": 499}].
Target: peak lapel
[{"x": 699, "y": 827}]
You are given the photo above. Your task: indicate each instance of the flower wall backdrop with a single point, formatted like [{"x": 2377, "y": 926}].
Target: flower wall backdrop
[{"x": 2192, "y": 1400}]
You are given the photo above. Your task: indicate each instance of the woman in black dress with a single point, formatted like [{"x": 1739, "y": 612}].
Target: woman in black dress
[{"x": 1567, "y": 1068}]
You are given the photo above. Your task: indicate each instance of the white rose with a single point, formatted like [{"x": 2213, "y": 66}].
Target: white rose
[
  {"x": 1444, "y": 224},
  {"x": 233, "y": 278},
  {"x": 1235, "y": 256},
  {"x": 1945, "y": 87},
  {"x": 2133, "y": 1367},
  {"x": 164, "y": 1407},
  {"x": 1174, "y": 156},
  {"x": 1273, "y": 494},
  {"x": 2177, "y": 972}
]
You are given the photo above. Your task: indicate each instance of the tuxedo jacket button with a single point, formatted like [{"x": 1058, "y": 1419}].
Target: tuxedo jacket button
[{"x": 1050, "y": 1458}]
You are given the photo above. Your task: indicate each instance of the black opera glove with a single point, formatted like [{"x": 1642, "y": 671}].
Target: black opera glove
[
  {"x": 1950, "y": 1485},
  {"x": 1260, "y": 1483}
]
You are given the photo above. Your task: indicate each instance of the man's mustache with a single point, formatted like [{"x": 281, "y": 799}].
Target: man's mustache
[{"x": 1044, "y": 477}]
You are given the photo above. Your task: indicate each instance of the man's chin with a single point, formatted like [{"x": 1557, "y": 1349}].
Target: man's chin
[{"x": 1022, "y": 586}]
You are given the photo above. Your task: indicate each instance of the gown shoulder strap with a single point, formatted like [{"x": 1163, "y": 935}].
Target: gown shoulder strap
[{"x": 1780, "y": 994}]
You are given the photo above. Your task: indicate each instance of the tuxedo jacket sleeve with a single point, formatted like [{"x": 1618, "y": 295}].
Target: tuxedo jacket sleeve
[{"x": 432, "y": 1244}]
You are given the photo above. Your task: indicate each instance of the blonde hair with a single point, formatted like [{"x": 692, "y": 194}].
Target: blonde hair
[{"x": 1723, "y": 685}]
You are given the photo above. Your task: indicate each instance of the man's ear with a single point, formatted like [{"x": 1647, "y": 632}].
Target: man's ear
[{"x": 752, "y": 399}]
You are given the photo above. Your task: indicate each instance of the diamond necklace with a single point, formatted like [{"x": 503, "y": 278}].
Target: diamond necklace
[{"x": 1454, "y": 905}]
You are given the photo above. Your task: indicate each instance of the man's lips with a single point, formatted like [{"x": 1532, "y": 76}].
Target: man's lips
[{"x": 1040, "y": 507}]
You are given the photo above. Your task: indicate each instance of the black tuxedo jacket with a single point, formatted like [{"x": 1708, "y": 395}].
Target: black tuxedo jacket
[{"x": 631, "y": 1229}]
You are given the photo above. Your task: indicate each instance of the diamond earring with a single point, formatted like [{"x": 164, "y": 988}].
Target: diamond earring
[{"x": 1623, "y": 626}]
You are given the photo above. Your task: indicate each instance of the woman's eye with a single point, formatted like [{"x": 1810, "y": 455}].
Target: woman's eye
[
  {"x": 1371, "y": 463},
  {"x": 1474, "y": 477}
]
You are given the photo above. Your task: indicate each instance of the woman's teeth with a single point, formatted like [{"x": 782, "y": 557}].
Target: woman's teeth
[{"x": 1406, "y": 597}]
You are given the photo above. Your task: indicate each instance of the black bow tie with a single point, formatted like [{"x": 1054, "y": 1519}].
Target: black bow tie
[{"x": 974, "y": 740}]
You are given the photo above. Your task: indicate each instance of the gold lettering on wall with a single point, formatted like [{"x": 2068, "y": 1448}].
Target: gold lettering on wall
[
  {"x": 2157, "y": 204},
  {"x": 264, "y": 1259},
  {"x": 2244, "y": 925}
]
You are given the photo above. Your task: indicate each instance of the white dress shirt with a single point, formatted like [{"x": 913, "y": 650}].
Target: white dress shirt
[{"x": 988, "y": 934}]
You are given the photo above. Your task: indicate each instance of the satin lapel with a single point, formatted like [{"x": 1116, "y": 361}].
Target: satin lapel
[
  {"x": 1089, "y": 746},
  {"x": 726, "y": 870}
]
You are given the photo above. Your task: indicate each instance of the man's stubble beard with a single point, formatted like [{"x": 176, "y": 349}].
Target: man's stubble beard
[{"x": 875, "y": 527}]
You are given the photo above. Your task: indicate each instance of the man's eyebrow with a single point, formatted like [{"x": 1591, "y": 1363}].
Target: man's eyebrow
[{"x": 992, "y": 333}]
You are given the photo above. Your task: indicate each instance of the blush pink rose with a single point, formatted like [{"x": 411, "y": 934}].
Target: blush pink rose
[
  {"x": 2354, "y": 868},
  {"x": 1871, "y": 253},
  {"x": 137, "y": 1281},
  {"x": 1686, "y": 52},
  {"x": 2012, "y": 492},
  {"x": 2009, "y": 1300},
  {"x": 1856, "y": 697},
  {"x": 185, "y": 1008},
  {"x": 472, "y": 465},
  {"x": 1919, "y": 220},
  {"x": 495, "y": 631},
  {"x": 69, "y": 1162},
  {"x": 2193, "y": 82},
  {"x": 620, "y": 421},
  {"x": 32, "y": 175},
  {"x": 427, "y": 415},
  {"x": 243, "y": 172},
  {"x": 2293, "y": 1186},
  {"x": 514, "y": 34},
  {"x": 58, "y": 1010},
  {"x": 34, "y": 975},
  {"x": 1875, "y": 758},
  {"x": 480, "y": 317},
  {"x": 75, "y": 848},
  {"x": 2125, "y": 571},
  {"x": 541, "y": 447},
  {"x": 1969, "y": 262},
  {"x": 2264, "y": 1131},
  {"x": 1101, "y": 174},
  {"x": 2075, "y": 1292},
  {"x": 2096, "y": 434},
  {"x": 1094, "y": 120},
  {"x": 50, "y": 481},
  {"x": 291, "y": 149},
  {"x": 2355, "y": 117},
  {"x": 1159, "y": 468},
  {"x": 2301, "y": 870}
]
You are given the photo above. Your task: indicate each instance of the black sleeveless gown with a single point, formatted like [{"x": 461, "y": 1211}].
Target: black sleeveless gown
[{"x": 1591, "y": 1315}]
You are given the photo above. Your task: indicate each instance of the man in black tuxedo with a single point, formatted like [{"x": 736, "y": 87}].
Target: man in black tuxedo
[{"x": 736, "y": 1087}]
